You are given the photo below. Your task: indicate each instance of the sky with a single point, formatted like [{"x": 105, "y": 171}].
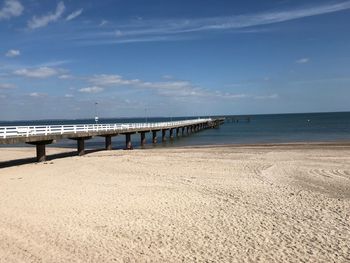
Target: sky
[{"x": 139, "y": 58}]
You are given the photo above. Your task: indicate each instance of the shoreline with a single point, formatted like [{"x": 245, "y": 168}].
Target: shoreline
[
  {"x": 159, "y": 146},
  {"x": 18, "y": 156},
  {"x": 282, "y": 144},
  {"x": 165, "y": 146}
]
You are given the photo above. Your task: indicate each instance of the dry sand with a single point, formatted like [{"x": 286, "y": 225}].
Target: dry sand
[{"x": 224, "y": 204}]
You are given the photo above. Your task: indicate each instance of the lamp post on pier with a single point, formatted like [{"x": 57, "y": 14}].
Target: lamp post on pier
[{"x": 96, "y": 117}]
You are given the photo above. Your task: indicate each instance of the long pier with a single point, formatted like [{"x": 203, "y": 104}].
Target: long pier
[{"x": 40, "y": 136}]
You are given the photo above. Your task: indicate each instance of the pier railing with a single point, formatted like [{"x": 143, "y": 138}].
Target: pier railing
[{"x": 27, "y": 131}]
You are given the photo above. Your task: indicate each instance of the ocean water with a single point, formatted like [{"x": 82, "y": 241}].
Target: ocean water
[{"x": 276, "y": 128}]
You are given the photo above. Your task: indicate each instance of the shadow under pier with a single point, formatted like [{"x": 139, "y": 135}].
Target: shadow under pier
[{"x": 51, "y": 157}]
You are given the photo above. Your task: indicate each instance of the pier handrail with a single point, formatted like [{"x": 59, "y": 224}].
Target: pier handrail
[{"x": 27, "y": 131}]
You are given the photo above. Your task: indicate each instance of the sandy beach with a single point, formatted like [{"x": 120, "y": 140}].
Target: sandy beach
[{"x": 286, "y": 203}]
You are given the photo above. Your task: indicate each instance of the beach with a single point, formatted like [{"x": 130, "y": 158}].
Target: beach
[{"x": 263, "y": 203}]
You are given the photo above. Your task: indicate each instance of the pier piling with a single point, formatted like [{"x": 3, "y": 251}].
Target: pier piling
[
  {"x": 108, "y": 142},
  {"x": 163, "y": 135},
  {"x": 143, "y": 138},
  {"x": 81, "y": 146},
  {"x": 41, "y": 149},
  {"x": 154, "y": 137},
  {"x": 40, "y": 152},
  {"x": 128, "y": 145}
]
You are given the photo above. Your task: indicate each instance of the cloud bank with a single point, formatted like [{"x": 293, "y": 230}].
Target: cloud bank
[
  {"x": 42, "y": 21},
  {"x": 74, "y": 15},
  {"x": 11, "y": 8},
  {"x": 12, "y": 53},
  {"x": 177, "y": 29},
  {"x": 41, "y": 72}
]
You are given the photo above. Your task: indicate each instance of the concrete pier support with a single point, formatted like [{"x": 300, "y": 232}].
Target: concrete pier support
[
  {"x": 81, "y": 146},
  {"x": 188, "y": 129},
  {"x": 163, "y": 135},
  {"x": 143, "y": 138},
  {"x": 41, "y": 150},
  {"x": 108, "y": 142},
  {"x": 177, "y": 132},
  {"x": 171, "y": 134},
  {"x": 128, "y": 145},
  {"x": 182, "y": 131},
  {"x": 154, "y": 137}
]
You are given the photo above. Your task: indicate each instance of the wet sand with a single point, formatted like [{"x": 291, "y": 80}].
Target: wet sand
[{"x": 286, "y": 203}]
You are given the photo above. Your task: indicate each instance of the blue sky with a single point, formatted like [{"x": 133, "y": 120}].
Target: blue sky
[{"x": 172, "y": 58}]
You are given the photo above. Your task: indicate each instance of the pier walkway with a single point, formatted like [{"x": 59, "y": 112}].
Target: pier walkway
[{"x": 40, "y": 136}]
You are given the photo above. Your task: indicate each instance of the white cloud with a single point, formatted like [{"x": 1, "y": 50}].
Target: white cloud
[
  {"x": 11, "y": 8},
  {"x": 125, "y": 39},
  {"x": 321, "y": 80},
  {"x": 37, "y": 22},
  {"x": 167, "y": 77},
  {"x": 37, "y": 95},
  {"x": 242, "y": 21},
  {"x": 54, "y": 63},
  {"x": 263, "y": 97},
  {"x": 68, "y": 96},
  {"x": 93, "y": 89},
  {"x": 172, "y": 85},
  {"x": 178, "y": 29},
  {"x": 7, "y": 86},
  {"x": 12, "y": 53},
  {"x": 111, "y": 80},
  {"x": 74, "y": 14},
  {"x": 303, "y": 60},
  {"x": 103, "y": 22},
  {"x": 65, "y": 76},
  {"x": 171, "y": 88},
  {"x": 42, "y": 72},
  {"x": 117, "y": 80},
  {"x": 228, "y": 95}
]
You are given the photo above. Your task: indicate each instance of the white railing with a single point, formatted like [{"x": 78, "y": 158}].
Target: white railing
[{"x": 27, "y": 131}]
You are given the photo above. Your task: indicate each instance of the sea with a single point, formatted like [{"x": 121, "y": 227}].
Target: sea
[{"x": 243, "y": 129}]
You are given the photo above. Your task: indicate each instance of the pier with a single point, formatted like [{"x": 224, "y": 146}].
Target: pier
[
  {"x": 237, "y": 118},
  {"x": 40, "y": 136}
]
